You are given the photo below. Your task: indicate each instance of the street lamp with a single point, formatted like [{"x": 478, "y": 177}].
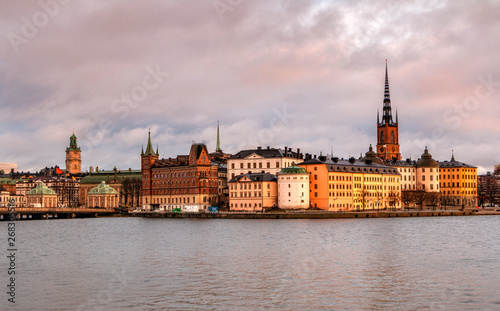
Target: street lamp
[{"x": 463, "y": 203}]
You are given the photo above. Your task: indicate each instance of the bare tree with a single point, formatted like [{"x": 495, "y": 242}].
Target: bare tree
[
  {"x": 408, "y": 197},
  {"x": 433, "y": 198},
  {"x": 420, "y": 197},
  {"x": 394, "y": 198}
]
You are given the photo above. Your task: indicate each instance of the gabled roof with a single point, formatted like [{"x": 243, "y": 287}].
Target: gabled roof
[
  {"x": 353, "y": 166},
  {"x": 265, "y": 153},
  {"x": 255, "y": 177}
]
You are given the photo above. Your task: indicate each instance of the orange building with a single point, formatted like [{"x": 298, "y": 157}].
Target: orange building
[
  {"x": 344, "y": 185},
  {"x": 458, "y": 183},
  {"x": 387, "y": 129},
  {"x": 73, "y": 157}
]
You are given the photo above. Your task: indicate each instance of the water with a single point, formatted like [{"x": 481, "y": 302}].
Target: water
[{"x": 435, "y": 263}]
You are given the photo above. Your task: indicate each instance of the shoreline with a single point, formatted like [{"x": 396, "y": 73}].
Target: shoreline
[{"x": 315, "y": 214}]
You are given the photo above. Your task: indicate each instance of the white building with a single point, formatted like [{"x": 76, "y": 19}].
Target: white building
[
  {"x": 293, "y": 188},
  {"x": 269, "y": 160}
]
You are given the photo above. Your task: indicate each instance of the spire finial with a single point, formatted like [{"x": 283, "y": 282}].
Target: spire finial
[
  {"x": 149, "y": 147},
  {"x": 452, "y": 156},
  {"x": 387, "y": 114},
  {"x": 217, "y": 148}
]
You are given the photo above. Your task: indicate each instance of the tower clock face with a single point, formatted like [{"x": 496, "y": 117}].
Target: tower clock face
[
  {"x": 75, "y": 152},
  {"x": 393, "y": 149},
  {"x": 381, "y": 149}
]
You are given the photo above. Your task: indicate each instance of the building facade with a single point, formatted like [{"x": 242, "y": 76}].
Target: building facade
[
  {"x": 103, "y": 196},
  {"x": 175, "y": 182},
  {"x": 253, "y": 192},
  {"x": 347, "y": 185},
  {"x": 260, "y": 160},
  {"x": 459, "y": 184},
  {"x": 41, "y": 196},
  {"x": 293, "y": 188}
]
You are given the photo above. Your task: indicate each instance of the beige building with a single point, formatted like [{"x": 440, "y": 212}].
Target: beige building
[
  {"x": 6, "y": 196},
  {"x": 103, "y": 196},
  {"x": 41, "y": 196},
  {"x": 293, "y": 188},
  {"x": 269, "y": 160},
  {"x": 427, "y": 173},
  {"x": 253, "y": 192}
]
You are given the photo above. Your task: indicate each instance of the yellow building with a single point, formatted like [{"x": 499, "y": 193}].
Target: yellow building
[
  {"x": 346, "y": 185},
  {"x": 253, "y": 192},
  {"x": 103, "y": 196},
  {"x": 458, "y": 183},
  {"x": 73, "y": 157}
]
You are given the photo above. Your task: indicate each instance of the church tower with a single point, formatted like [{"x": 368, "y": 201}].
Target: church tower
[
  {"x": 147, "y": 159},
  {"x": 387, "y": 128},
  {"x": 73, "y": 157}
]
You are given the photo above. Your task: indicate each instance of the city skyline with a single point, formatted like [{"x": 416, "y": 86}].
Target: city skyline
[{"x": 306, "y": 75}]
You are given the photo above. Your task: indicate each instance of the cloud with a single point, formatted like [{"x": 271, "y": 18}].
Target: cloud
[{"x": 322, "y": 61}]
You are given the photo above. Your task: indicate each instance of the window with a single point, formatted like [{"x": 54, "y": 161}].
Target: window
[{"x": 277, "y": 164}]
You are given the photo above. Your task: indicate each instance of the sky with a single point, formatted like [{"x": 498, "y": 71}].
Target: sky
[{"x": 302, "y": 74}]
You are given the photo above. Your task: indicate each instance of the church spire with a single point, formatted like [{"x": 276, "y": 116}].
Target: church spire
[
  {"x": 149, "y": 148},
  {"x": 217, "y": 148},
  {"x": 387, "y": 116}
]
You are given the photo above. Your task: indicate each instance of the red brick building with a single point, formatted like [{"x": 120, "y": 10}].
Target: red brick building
[{"x": 176, "y": 182}]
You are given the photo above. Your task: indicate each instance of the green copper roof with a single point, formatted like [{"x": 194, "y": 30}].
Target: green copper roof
[
  {"x": 41, "y": 189},
  {"x": 102, "y": 188},
  {"x": 149, "y": 148},
  {"x": 293, "y": 170}
]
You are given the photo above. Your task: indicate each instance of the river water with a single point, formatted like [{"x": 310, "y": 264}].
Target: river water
[{"x": 431, "y": 263}]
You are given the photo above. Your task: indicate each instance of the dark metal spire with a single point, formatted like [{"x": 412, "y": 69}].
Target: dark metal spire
[
  {"x": 149, "y": 147},
  {"x": 387, "y": 115}
]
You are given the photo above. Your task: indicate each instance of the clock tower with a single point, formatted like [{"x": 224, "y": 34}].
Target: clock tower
[
  {"x": 387, "y": 128},
  {"x": 73, "y": 157}
]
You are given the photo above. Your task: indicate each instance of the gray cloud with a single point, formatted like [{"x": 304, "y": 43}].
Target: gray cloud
[{"x": 322, "y": 61}]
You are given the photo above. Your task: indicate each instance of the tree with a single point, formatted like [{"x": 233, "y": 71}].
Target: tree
[
  {"x": 433, "y": 198},
  {"x": 130, "y": 191},
  {"x": 394, "y": 198},
  {"x": 408, "y": 197},
  {"x": 420, "y": 197}
]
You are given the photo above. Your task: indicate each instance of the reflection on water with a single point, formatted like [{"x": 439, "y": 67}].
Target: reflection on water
[{"x": 442, "y": 263}]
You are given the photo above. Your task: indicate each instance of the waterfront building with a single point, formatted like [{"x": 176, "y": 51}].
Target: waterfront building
[
  {"x": 261, "y": 160},
  {"x": 253, "y": 192},
  {"x": 73, "y": 157},
  {"x": 408, "y": 173},
  {"x": 102, "y": 196},
  {"x": 427, "y": 170},
  {"x": 387, "y": 128},
  {"x": 41, "y": 196},
  {"x": 6, "y": 196},
  {"x": 345, "y": 185},
  {"x": 67, "y": 189},
  {"x": 127, "y": 183},
  {"x": 458, "y": 183},
  {"x": 293, "y": 188},
  {"x": 175, "y": 182}
]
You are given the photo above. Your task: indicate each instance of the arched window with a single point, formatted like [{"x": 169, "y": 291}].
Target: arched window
[
  {"x": 382, "y": 140},
  {"x": 392, "y": 138}
]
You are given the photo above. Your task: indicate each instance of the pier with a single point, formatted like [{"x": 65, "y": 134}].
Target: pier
[{"x": 23, "y": 213}]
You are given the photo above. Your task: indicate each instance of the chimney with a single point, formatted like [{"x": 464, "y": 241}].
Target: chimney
[
  {"x": 315, "y": 156},
  {"x": 259, "y": 148},
  {"x": 335, "y": 159},
  {"x": 286, "y": 149},
  {"x": 267, "y": 147},
  {"x": 298, "y": 153}
]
